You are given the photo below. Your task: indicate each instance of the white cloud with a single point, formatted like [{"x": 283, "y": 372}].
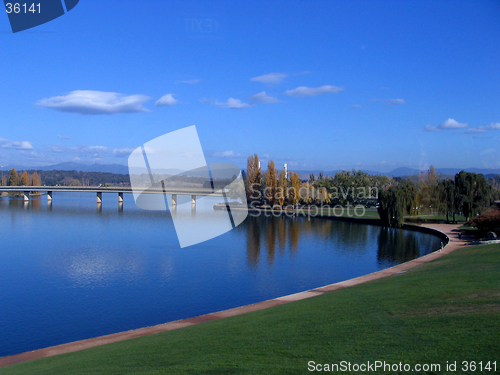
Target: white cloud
[
  {"x": 495, "y": 126},
  {"x": 166, "y": 100},
  {"x": 452, "y": 124},
  {"x": 482, "y": 129},
  {"x": 204, "y": 100},
  {"x": 430, "y": 128},
  {"x": 389, "y": 102},
  {"x": 226, "y": 154},
  {"x": 88, "y": 102},
  {"x": 16, "y": 145},
  {"x": 262, "y": 97},
  {"x": 233, "y": 103},
  {"x": 270, "y": 79},
  {"x": 82, "y": 150},
  {"x": 395, "y": 101},
  {"x": 190, "y": 82},
  {"x": 118, "y": 152},
  {"x": 303, "y": 91},
  {"x": 62, "y": 136},
  {"x": 488, "y": 151},
  {"x": 475, "y": 130},
  {"x": 449, "y": 124}
]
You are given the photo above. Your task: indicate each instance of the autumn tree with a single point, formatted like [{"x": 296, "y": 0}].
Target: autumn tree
[
  {"x": 24, "y": 179},
  {"x": 282, "y": 188},
  {"x": 293, "y": 192},
  {"x": 253, "y": 178},
  {"x": 271, "y": 183},
  {"x": 35, "y": 180},
  {"x": 13, "y": 179}
]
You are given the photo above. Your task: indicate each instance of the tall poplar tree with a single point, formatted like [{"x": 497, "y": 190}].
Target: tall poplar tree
[
  {"x": 253, "y": 178},
  {"x": 24, "y": 179},
  {"x": 282, "y": 188},
  {"x": 271, "y": 183},
  {"x": 13, "y": 180},
  {"x": 294, "y": 195}
]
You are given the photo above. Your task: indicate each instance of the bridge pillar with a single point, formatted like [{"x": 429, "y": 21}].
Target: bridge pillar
[
  {"x": 26, "y": 195},
  {"x": 120, "y": 197},
  {"x": 99, "y": 197},
  {"x": 49, "y": 195},
  {"x": 193, "y": 200},
  {"x": 174, "y": 199}
]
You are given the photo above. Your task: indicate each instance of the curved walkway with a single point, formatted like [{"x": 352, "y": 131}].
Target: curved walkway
[{"x": 451, "y": 230}]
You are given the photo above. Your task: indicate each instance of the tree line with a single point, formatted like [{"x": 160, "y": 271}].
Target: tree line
[
  {"x": 62, "y": 178},
  {"x": 467, "y": 194},
  {"x": 280, "y": 188}
]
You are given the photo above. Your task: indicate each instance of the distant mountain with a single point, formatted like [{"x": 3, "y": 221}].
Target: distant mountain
[
  {"x": 304, "y": 175},
  {"x": 406, "y": 172},
  {"x": 402, "y": 172},
  {"x": 109, "y": 168},
  {"x": 69, "y": 166}
]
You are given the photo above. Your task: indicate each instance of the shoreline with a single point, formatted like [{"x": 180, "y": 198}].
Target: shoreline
[{"x": 449, "y": 231}]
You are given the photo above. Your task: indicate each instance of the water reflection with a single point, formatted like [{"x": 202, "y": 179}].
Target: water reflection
[
  {"x": 397, "y": 246},
  {"x": 76, "y": 270},
  {"x": 393, "y": 245}
]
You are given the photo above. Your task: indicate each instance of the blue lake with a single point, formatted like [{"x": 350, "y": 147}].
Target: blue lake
[{"x": 70, "y": 271}]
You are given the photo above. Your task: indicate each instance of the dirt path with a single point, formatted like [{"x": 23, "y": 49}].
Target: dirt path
[{"x": 451, "y": 230}]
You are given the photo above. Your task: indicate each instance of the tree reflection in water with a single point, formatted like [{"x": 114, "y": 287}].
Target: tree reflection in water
[{"x": 394, "y": 245}]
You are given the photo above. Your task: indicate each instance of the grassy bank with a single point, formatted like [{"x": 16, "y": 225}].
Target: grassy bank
[{"x": 445, "y": 310}]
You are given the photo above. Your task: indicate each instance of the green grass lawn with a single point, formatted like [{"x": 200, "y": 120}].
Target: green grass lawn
[{"x": 445, "y": 310}]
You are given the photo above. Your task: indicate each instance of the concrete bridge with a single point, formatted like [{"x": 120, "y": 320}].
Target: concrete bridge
[{"x": 98, "y": 190}]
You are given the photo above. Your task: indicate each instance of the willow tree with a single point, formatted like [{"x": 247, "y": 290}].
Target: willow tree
[
  {"x": 395, "y": 202},
  {"x": 271, "y": 183},
  {"x": 448, "y": 187},
  {"x": 474, "y": 193}
]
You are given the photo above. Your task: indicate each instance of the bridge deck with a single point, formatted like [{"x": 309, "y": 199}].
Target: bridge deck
[{"x": 114, "y": 189}]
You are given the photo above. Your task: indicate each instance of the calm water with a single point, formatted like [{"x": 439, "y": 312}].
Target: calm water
[{"x": 70, "y": 271}]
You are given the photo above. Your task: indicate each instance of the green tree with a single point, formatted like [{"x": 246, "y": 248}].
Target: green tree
[
  {"x": 271, "y": 183},
  {"x": 395, "y": 202},
  {"x": 474, "y": 193},
  {"x": 448, "y": 187},
  {"x": 13, "y": 179}
]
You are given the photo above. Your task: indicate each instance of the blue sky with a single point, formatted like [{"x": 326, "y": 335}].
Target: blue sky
[{"x": 317, "y": 84}]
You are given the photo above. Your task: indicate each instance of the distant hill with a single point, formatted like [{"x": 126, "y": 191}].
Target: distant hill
[
  {"x": 70, "y": 166},
  {"x": 405, "y": 172},
  {"x": 123, "y": 169}
]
